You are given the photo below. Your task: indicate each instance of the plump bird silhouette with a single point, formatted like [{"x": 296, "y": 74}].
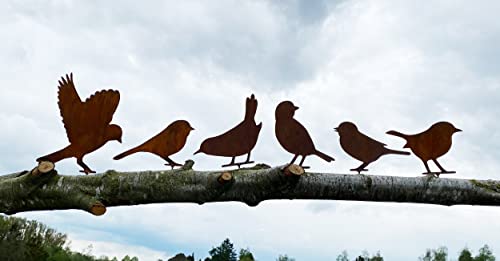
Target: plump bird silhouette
[
  {"x": 293, "y": 136},
  {"x": 87, "y": 123},
  {"x": 362, "y": 147},
  {"x": 239, "y": 140},
  {"x": 430, "y": 144},
  {"x": 168, "y": 142}
]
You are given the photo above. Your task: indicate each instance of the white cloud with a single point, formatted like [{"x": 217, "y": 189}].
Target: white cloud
[{"x": 104, "y": 248}]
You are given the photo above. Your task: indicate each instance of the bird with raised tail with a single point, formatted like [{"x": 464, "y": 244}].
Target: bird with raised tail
[
  {"x": 164, "y": 144},
  {"x": 362, "y": 147},
  {"x": 237, "y": 141},
  {"x": 430, "y": 144},
  {"x": 87, "y": 123},
  {"x": 293, "y": 136}
]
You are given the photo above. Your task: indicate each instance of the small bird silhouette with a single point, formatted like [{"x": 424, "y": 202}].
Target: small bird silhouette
[
  {"x": 168, "y": 142},
  {"x": 87, "y": 123},
  {"x": 362, "y": 147},
  {"x": 237, "y": 141},
  {"x": 293, "y": 136},
  {"x": 430, "y": 144}
]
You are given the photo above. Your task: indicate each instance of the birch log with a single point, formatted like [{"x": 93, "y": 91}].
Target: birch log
[{"x": 25, "y": 191}]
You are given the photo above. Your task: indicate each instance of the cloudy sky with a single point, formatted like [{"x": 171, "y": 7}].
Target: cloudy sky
[{"x": 381, "y": 64}]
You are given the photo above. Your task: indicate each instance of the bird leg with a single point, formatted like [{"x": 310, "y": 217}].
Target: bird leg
[
  {"x": 443, "y": 171},
  {"x": 361, "y": 168},
  {"x": 171, "y": 163},
  {"x": 302, "y": 161},
  {"x": 246, "y": 161},
  {"x": 86, "y": 168},
  {"x": 427, "y": 168},
  {"x": 248, "y": 156},
  {"x": 294, "y": 159},
  {"x": 232, "y": 163}
]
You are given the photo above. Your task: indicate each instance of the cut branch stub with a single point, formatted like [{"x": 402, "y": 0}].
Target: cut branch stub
[
  {"x": 43, "y": 167},
  {"x": 188, "y": 165},
  {"x": 225, "y": 178},
  {"x": 293, "y": 170},
  {"x": 97, "y": 209}
]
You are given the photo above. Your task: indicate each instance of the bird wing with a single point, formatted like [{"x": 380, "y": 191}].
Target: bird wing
[
  {"x": 372, "y": 141},
  {"x": 236, "y": 135},
  {"x": 81, "y": 118},
  {"x": 298, "y": 137},
  {"x": 99, "y": 108},
  {"x": 70, "y": 106}
]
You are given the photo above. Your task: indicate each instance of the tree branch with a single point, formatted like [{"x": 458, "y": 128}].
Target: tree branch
[{"x": 27, "y": 191}]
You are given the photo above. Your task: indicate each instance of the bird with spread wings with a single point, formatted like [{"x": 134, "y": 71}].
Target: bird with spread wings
[{"x": 87, "y": 123}]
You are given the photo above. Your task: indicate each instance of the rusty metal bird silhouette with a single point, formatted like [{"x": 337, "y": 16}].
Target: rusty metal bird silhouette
[
  {"x": 238, "y": 141},
  {"x": 87, "y": 123},
  {"x": 362, "y": 147},
  {"x": 293, "y": 136},
  {"x": 430, "y": 144},
  {"x": 164, "y": 144}
]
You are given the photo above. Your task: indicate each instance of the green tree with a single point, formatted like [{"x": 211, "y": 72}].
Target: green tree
[
  {"x": 485, "y": 254},
  {"x": 128, "y": 258},
  {"x": 343, "y": 256},
  {"x": 285, "y": 258},
  {"x": 224, "y": 252},
  {"x": 21, "y": 239},
  {"x": 465, "y": 255},
  {"x": 27, "y": 240},
  {"x": 377, "y": 257},
  {"x": 439, "y": 254},
  {"x": 246, "y": 255},
  {"x": 365, "y": 256}
]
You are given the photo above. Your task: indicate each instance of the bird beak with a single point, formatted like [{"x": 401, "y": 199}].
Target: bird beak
[
  {"x": 295, "y": 107},
  {"x": 198, "y": 151},
  {"x": 192, "y": 128},
  {"x": 458, "y": 130},
  {"x": 120, "y": 140},
  {"x": 336, "y": 129}
]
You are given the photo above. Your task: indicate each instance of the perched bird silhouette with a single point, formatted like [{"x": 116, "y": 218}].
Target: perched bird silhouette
[
  {"x": 293, "y": 136},
  {"x": 87, "y": 123},
  {"x": 362, "y": 147},
  {"x": 430, "y": 144},
  {"x": 168, "y": 142},
  {"x": 237, "y": 141}
]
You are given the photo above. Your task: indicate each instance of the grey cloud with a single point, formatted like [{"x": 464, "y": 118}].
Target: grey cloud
[{"x": 253, "y": 40}]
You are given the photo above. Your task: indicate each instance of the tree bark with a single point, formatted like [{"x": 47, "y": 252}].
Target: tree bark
[{"x": 25, "y": 191}]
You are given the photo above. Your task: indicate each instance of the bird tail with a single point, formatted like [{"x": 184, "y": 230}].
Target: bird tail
[
  {"x": 128, "y": 152},
  {"x": 398, "y": 152},
  {"x": 250, "y": 107},
  {"x": 397, "y": 134},
  {"x": 323, "y": 156},
  {"x": 401, "y": 135},
  {"x": 56, "y": 156}
]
